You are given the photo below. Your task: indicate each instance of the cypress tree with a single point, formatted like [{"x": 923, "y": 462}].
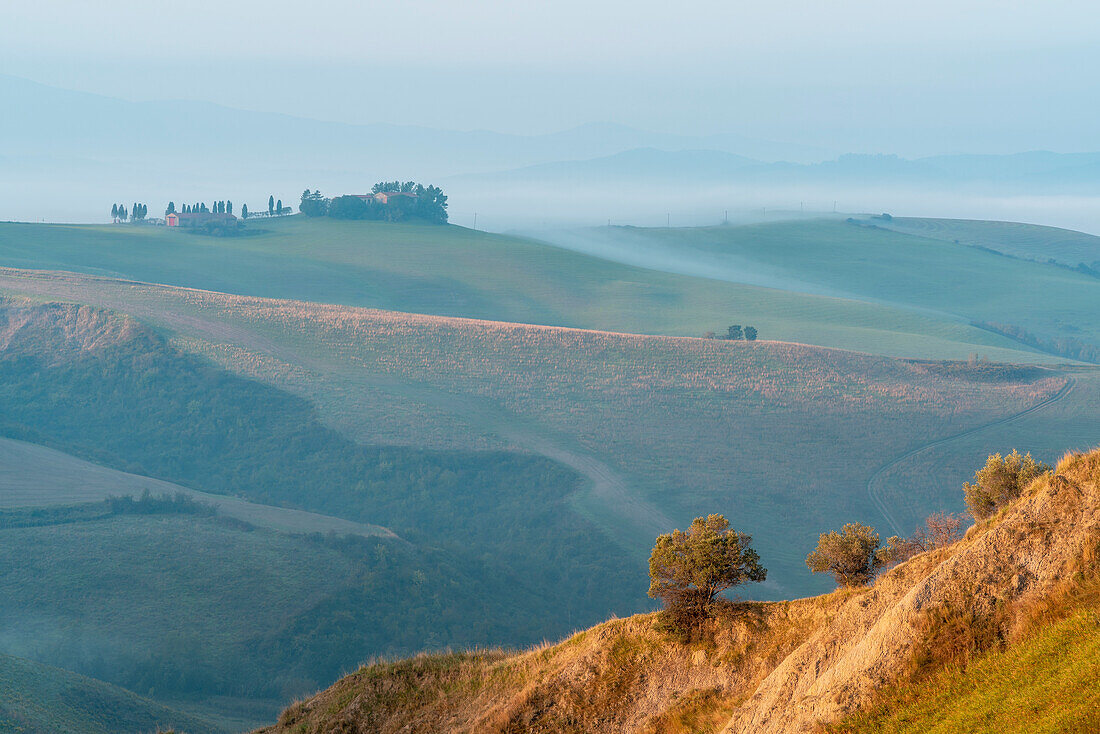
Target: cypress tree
[{"x": 271, "y": 204}]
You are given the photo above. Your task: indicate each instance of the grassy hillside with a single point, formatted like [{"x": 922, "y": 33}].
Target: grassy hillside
[
  {"x": 452, "y": 271},
  {"x": 1043, "y": 686},
  {"x": 36, "y": 476},
  {"x": 198, "y": 607},
  {"x": 1027, "y": 241},
  {"x": 662, "y": 429},
  {"x": 995, "y": 632},
  {"x": 933, "y": 277},
  {"x": 109, "y": 389},
  {"x": 40, "y": 699}
]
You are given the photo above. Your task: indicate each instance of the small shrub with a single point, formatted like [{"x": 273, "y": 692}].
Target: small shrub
[
  {"x": 1000, "y": 481},
  {"x": 940, "y": 529}
]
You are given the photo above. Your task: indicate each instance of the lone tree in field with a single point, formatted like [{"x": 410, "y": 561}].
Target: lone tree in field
[
  {"x": 734, "y": 333},
  {"x": 750, "y": 333},
  {"x": 1000, "y": 481},
  {"x": 853, "y": 556},
  {"x": 688, "y": 570}
]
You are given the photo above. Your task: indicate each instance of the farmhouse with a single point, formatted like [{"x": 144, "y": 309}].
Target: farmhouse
[
  {"x": 385, "y": 197},
  {"x": 195, "y": 219}
]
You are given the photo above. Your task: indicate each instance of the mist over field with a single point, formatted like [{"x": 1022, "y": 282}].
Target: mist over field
[
  {"x": 590, "y": 366},
  {"x": 64, "y": 153}
]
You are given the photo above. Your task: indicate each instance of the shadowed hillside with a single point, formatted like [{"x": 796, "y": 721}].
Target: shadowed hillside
[
  {"x": 108, "y": 389},
  {"x": 39, "y": 699},
  {"x": 788, "y": 666}
]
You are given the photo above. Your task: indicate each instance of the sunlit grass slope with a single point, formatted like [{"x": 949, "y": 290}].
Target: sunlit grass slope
[
  {"x": 1046, "y": 685},
  {"x": 40, "y": 699},
  {"x": 453, "y": 271}
]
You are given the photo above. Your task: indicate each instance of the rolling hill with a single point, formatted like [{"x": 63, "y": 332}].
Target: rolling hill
[
  {"x": 452, "y": 271},
  {"x": 298, "y": 406},
  {"x": 105, "y": 591},
  {"x": 922, "y": 649},
  {"x": 1027, "y": 241},
  {"x": 660, "y": 428},
  {"x": 40, "y": 699},
  {"x": 852, "y": 259}
]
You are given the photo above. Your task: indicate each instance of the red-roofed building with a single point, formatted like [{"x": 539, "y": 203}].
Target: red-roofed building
[{"x": 195, "y": 219}]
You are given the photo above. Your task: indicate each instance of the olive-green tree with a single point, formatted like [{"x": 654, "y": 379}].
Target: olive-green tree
[
  {"x": 853, "y": 556},
  {"x": 1002, "y": 479},
  {"x": 688, "y": 570}
]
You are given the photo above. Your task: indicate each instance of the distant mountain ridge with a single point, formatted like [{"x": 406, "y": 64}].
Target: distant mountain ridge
[
  {"x": 66, "y": 154},
  {"x": 1042, "y": 171}
]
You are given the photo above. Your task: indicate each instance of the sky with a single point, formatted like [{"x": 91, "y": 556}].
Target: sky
[{"x": 863, "y": 76}]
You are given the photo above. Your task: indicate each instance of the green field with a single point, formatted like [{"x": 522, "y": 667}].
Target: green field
[
  {"x": 1044, "y": 684},
  {"x": 1027, "y": 241},
  {"x": 452, "y": 271},
  {"x": 935, "y": 278}
]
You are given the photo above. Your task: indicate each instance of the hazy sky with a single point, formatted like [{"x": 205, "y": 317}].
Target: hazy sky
[{"x": 863, "y": 75}]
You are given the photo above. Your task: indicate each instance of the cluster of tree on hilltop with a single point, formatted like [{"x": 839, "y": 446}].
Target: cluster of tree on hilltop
[
  {"x": 689, "y": 570},
  {"x": 136, "y": 213},
  {"x": 218, "y": 207},
  {"x": 390, "y": 201}
]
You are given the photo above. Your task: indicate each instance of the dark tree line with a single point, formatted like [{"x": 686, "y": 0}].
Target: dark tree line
[
  {"x": 426, "y": 203},
  {"x": 136, "y": 212},
  {"x": 200, "y": 207}
]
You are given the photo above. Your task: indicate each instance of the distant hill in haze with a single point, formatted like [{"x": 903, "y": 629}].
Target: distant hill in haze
[
  {"x": 66, "y": 156},
  {"x": 65, "y": 152},
  {"x": 1040, "y": 170}
]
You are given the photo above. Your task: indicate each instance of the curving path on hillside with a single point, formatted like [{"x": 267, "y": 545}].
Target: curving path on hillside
[{"x": 874, "y": 491}]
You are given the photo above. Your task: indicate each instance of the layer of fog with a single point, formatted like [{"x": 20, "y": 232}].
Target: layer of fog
[{"x": 519, "y": 207}]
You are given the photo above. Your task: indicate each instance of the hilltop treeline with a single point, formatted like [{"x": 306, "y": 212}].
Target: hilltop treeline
[
  {"x": 136, "y": 213},
  {"x": 390, "y": 201}
]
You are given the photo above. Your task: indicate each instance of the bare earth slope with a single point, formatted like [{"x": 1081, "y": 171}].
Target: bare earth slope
[{"x": 771, "y": 667}]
